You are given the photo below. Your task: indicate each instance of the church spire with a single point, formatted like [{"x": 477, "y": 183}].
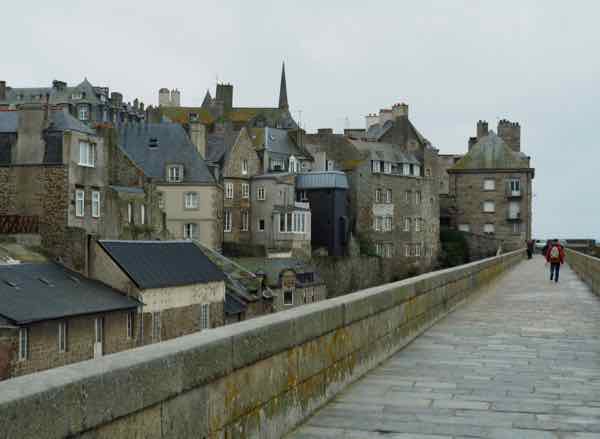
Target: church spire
[{"x": 283, "y": 100}]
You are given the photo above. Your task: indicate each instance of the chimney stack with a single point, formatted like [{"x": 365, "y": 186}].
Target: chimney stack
[
  {"x": 198, "y": 135},
  {"x": 510, "y": 132},
  {"x": 400, "y": 110},
  {"x": 2, "y": 90},
  {"x": 482, "y": 129}
]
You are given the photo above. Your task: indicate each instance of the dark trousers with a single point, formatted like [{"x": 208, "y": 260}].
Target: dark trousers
[
  {"x": 529, "y": 253},
  {"x": 554, "y": 271}
]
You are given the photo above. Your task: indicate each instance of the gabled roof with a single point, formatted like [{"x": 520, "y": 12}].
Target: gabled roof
[
  {"x": 49, "y": 291},
  {"x": 491, "y": 152},
  {"x": 173, "y": 147},
  {"x": 279, "y": 143},
  {"x": 159, "y": 264},
  {"x": 59, "y": 121}
]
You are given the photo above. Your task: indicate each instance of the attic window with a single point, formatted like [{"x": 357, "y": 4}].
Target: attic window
[
  {"x": 74, "y": 279},
  {"x": 153, "y": 142},
  {"x": 45, "y": 281},
  {"x": 193, "y": 117},
  {"x": 76, "y": 96},
  {"x": 10, "y": 283}
]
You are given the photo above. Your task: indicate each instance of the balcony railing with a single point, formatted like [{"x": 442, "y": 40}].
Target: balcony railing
[{"x": 514, "y": 216}]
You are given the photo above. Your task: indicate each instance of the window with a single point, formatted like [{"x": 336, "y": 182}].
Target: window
[
  {"x": 244, "y": 167},
  {"x": 293, "y": 164},
  {"x": 418, "y": 250},
  {"x": 245, "y": 190},
  {"x": 378, "y": 197},
  {"x": 77, "y": 96},
  {"x": 416, "y": 170},
  {"x": 87, "y": 154},
  {"x": 489, "y": 206},
  {"x": 142, "y": 214},
  {"x": 98, "y": 329},
  {"x": 261, "y": 225},
  {"x": 96, "y": 204},
  {"x": 79, "y": 202},
  {"x": 407, "y": 250},
  {"x": 417, "y": 224},
  {"x": 175, "y": 174},
  {"x": 227, "y": 221},
  {"x": 62, "y": 337},
  {"x": 277, "y": 165},
  {"x": 23, "y": 344},
  {"x": 302, "y": 196},
  {"x": 375, "y": 166},
  {"x": 427, "y": 172},
  {"x": 377, "y": 224},
  {"x": 130, "y": 324},
  {"x": 129, "y": 213},
  {"x": 407, "y": 197},
  {"x": 489, "y": 184},
  {"x": 260, "y": 193},
  {"x": 388, "y": 196},
  {"x": 329, "y": 165},
  {"x": 464, "y": 227},
  {"x": 189, "y": 231},
  {"x": 84, "y": 112},
  {"x": 489, "y": 229},
  {"x": 229, "y": 191},
  {"x": 417, "y": 198},
  {"x": 205, "y": 316},
  {"x": 245, "y": 221},
  {"x": 514, "y": 186},
  {"x": 406, "y": 169},
  {"x": 288, "y": 297},
  {"x": 407, "y": 224},
  {"x": 191, "y": 200},
  {"x": 387, "y": 167},
  {"x": 156, "y": 326},
  {"x": 517, "y": 228},
  {"x": 299, "y": 222},
  {"x": 389, "y": 250}
]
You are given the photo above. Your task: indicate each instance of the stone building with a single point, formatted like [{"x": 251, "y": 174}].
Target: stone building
[
  {"x": 490, "y": 188},
  {"x": 51, "y": 316},
  {"x": 89, "y": 104},
  {"x": 191, "y": 198},
  {"x": 180, "y": 289}
]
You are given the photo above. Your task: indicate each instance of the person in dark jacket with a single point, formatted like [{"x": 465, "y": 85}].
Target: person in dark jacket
[
  {"x": 555, "y": 255},
  {"x": 530, "y": 245}
]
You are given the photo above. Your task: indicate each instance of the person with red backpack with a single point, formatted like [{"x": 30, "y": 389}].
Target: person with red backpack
[{"x": 555, "y": 255}]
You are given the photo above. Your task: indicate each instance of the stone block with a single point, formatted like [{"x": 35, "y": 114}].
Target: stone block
[{"x": 186, "y": 415}]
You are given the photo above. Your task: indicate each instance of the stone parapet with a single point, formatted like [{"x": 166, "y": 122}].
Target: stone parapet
[
  {"x": 257, "y": 378},
  {"x": 587, "y": 268}
]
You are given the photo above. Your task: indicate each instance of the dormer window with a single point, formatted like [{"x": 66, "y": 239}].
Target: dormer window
[
  {"x": 77, "y": 96},
  {"x": 84, "y": 112},
  {"x": 175, "y": 173},
  {"x": 244, "y": 167},
  {"x": 153, "y": 142}
]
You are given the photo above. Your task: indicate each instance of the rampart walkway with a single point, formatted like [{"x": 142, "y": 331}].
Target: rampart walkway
[{"x": 521, "y": 360}]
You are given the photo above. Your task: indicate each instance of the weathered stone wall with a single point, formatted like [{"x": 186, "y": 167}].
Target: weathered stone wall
[
  {"x": 257, "y": 378},
  {"x": 587, "y": 267}
]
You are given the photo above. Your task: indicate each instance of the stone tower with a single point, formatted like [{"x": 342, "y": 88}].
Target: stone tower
[
  {"x": 164, "y": 97},
  {"x": 225, "y": 95},
  {"x": 175, "y": 98},
  {"x": 510, "y": 132},
  {"x": 283, "y": 99}
]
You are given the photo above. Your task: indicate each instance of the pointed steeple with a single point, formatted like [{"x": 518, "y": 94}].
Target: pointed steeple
[
  {"x": 283, "y": 100},
  {"x": 207, "y": 100}
]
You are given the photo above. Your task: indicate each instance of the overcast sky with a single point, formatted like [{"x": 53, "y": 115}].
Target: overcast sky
[{"x": 453, "y": 62}]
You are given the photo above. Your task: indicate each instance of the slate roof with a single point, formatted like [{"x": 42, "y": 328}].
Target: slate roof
[
  {"x": 157, "y": 264},
  {"x": 337, "y": 147},
  {"x": 273, "y": 267},
  {"x": 491, "y": 152},
  {"x": 127, "y": 189},
  {"x": 49, "y": 291},
  {"x": 182, "y": 114},
  {"x": 272, "y": 117},
  {"x": 59, "y": 121},
  {"x": 322, "y": 180},
  {"x": 385, "y": 151},
  {"x": 23, "y": 95},
  {"x": 279, "y": 144},
  {"x": 173, "y": 147}
]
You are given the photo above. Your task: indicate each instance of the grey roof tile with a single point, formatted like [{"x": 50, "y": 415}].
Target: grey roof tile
[
  {"x": 49, "y": 291},
  {"x": 59, "y": 121},
  {"x": 156, "y": 264}
]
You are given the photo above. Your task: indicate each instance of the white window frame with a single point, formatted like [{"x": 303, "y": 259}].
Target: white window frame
[
  {"x": 514, "y": 185},
  {"x": 387, "y": 167},
  {"x": 245, "y": 220},
  {"x": 405, "y": 169},
  {"x": 174, "y": 173},
  {"x": 407, "y": 197},
  {"x": 407, "y": 223},
  {"x": 245, "y": 167},
  {"x": 489, "y": 184},
  {"x": 516, "y": 228},
  {"x": 464, "y": 228},
  {"x": 229, "y": 191},
  {"x": 388, "y": 196},
  {"x": 83, "y": 112},
  {"x": 130, "y": 212},
  {"x": 62, "y": 336},
  {"x": 205, "y": 316},
  {"x": 487, "y": 208},
  {"x": 87, "y": 154},
  {"x": 99, "y": 330},
  {"x": 407, "y": 250},
  {"x": 261, "y": 229},
  {"x": 418, "y": 250},
  {"x": 245, "y": 190},
  {"x": 129, "y": 324},
  {"x": 417, "y": 170},
  {"x": 291, "y": 302},
  {"x": 260, "y": 193},
  {"x": 227, "y": 221},
  {"x": 191, "y": 200},
  {"x": 378, "y": 195},
  {"x": 95, "y": 204},
  {"x": 417, "y": 198},
  {"x": 77, "y": 96},
  {"x": 389, "y": 250},
  {"x": 189, "y": 231},
  {"x": 142, "y": 214},
  {"x": 277, "y": 163},
  {"x": 489, "y": 229},
  {"x": 417, "y": 224},
  {"x": 23, "y": 344},
  {"x": 156, "y": 326},
  {"x": 388, "y": 222},
  {"x": 79, "y": 203}
]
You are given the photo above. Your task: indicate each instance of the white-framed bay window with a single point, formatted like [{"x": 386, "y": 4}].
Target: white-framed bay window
[
  {"x": 292, "y": 222},
  {"x": 227, "y": 221},
  {"x": 79, "y": 203},
  {"x": 87, "y": 154},
  {"x": 229, "y": 191}
]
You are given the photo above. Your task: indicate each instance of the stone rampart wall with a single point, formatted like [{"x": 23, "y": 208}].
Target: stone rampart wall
[
  {"x": 257, "y": 378},
  {"x": 587, "y": 268}
]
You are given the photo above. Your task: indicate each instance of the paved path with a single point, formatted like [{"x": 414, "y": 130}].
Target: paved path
[{"x": 520, "y": 360}]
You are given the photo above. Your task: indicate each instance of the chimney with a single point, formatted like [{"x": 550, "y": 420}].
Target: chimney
[
  {"x": 400, "y": 110},
  {"x": 482, "y": 129},
  {"x": 325, "y": 131},
  {"x": 225, "y": 95},
  {"x": 510, "y": 132},
  {"x": 2, "y": 90},
  {"x": 371, "y": 119},
  {"x": 30, "y": 144},
  {"x": 472, "y": 142},
  {"x": 385, "y": 115},
  {"x": 198, "y": 135}
]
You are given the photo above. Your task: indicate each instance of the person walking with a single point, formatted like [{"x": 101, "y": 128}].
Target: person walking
[
  {"x": 530, "y": 244},
  {"x": 555, "y": 255}
]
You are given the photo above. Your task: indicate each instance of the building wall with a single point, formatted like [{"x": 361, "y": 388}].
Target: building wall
[
  {"x": 468, "y": 197},
  {"x": 207, "y": 217},
  {"x": 43, "y": 342},
  {"x": 105, "y": 270}
]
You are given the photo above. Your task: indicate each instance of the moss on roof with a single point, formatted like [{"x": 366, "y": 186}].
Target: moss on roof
[
  {"x": 182, "y": 114},
  {"x": 491, "y": 152}
]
